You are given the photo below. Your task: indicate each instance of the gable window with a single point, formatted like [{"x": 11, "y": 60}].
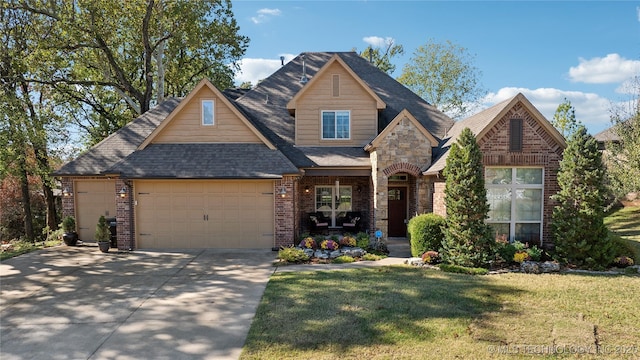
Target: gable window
[
  {"x": 336, "y": 125},
  {"x": 207, "y": 112},
  {"x": 333, "y": 201},
  {"x": 515, "y": 203},
  {"x": 515, "y": 135}
]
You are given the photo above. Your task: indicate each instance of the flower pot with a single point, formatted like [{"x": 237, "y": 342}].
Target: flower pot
[
  {"x": 104, "y": 246},
  {"x": 70, "y": 239}
]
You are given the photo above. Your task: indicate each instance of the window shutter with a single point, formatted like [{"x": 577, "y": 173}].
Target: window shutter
[{"x": 515, "y": 135}]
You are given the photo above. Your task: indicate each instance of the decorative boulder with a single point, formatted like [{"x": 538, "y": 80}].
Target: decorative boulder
[
  {"x": 353, "y": 252},
  {"x": 534, "y": 267},
  {"x": 549, "y": 266},
  {"x": 320, "y": 254},
  {"x": 416, "y": 261},
  {"x": 334, "y": 254},
  {"x": 530, "y": 267}
]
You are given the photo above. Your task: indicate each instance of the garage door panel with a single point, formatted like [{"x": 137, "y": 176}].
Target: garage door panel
[
  {"x": 205, "y": 214},
  {"x": 93, "y": 199}
]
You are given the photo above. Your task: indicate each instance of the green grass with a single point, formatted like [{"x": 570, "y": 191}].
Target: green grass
[
  {"x": 412, "y": 313},
  {"x": 625, "y": 223}
]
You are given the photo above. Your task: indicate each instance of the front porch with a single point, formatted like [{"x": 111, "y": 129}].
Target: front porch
[{"x": 334, "y": 205}]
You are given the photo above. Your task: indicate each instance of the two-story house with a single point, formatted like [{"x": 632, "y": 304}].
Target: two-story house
[{"x": 327, "y": 143}]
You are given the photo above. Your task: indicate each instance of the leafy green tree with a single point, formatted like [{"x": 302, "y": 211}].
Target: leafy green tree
[
  {"x": 564, "y": 119},
  {"x": 581, "y": 238},
  {"x": 27, "y": 113},
  {"x": 381, "y": 57},
  {"x": 114, "y": 60},
  {"x": 623, "y": 156},
  {"x": 468, "y": 240},
  {"x": 443, "y": 74}
]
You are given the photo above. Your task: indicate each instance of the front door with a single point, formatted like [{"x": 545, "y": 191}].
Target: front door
[{"x": 397, "y": 211}]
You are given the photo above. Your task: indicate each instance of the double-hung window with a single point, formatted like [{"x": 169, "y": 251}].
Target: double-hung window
[
  {"x": 516, "y": 202},
  {"x": 336, "y": 125}
]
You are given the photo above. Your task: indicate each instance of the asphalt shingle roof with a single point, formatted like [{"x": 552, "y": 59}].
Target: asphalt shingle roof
[
  {"x": 118, "y": 145},
  {"x": 476, "y": 123},
  {"x": 266, "y": 104},
  {"x": 202, "y": 161}
]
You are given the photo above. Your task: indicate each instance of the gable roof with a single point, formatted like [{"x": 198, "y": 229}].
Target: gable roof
[
  {"x": 607, "y": 135},
  {"x": 264, "y": 110},
  {"x": 266, "y": 104},
  {"x": 403, "y": 114},
  {"x": 118, "y": 145},
  {"x": 482, "y": 122},
  {"x": 335, "y": 58},
  {"x": 204, "y": 83}
]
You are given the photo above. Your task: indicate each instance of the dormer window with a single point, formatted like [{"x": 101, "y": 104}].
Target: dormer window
[
  {"x": 207, "y": 115},
  {"x": 336, "y": 125}
]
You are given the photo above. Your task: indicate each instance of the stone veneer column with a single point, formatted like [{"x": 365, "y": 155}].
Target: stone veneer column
[
  {"x": 124, "y": 216},
  {"x": 284, "y": 211}
]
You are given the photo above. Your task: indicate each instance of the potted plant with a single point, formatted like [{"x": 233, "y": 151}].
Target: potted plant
[
  {"x": 69, "y": 236},
  {"x": 103, "y": 234}
]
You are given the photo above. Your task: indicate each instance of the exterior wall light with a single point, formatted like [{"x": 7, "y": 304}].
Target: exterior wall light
[
  {"x": 283, "y": 192},
  {"x": 123, "y": 193},
  {"x": 306, "y": 189},
  {"x": 66, "y": 193}
]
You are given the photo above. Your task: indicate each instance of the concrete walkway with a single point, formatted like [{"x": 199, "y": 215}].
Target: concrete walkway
[{"x": 78, "y": 303}]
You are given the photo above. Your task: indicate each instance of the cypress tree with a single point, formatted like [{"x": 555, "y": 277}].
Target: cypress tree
[
  {"x": 581, "y": 238},
  {"x": 468, "y": 239}
]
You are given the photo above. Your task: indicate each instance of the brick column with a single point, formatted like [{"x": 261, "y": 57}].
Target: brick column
[
  {"x": 124, "y": 216},
  {"x": 68, "y": 202},
  {"x": 284, "y": 211}
]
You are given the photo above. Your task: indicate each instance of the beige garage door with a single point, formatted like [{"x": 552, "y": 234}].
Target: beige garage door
[
  {"x": 204, "y": 214},
  {"x": 93, "y": 198}
]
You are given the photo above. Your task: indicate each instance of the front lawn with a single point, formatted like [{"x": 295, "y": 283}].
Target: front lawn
[
  {"x": 405, "y": 312},
  {"x": 625, "y": 222}
]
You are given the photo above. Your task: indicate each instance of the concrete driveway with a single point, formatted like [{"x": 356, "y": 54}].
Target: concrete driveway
[{"x": 78, "y": 303}]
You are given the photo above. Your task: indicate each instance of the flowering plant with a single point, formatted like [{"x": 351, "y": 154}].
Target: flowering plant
[
  {"x": 431, "y": 257},
  {"x": 520, "y": 256},
  {"x": 329, "y": 245},
  {"x": 348, "y": 241},
  {"x": 623, "y": 261},
  {"x": 308, "y": 243}
]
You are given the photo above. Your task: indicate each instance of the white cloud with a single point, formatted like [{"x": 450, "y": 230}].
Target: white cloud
[
  {"x": 265, "y": 15},
  {"x": 610, "y": 69},
  {"x": 377, "y": 41},
  {"x": 638, "y": 10},
  {"x": 254, "y": 70},
  {"x": 592, "y": 110}
]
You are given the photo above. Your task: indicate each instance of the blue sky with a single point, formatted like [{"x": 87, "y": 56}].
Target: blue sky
[{"x": 585, "y": 51}]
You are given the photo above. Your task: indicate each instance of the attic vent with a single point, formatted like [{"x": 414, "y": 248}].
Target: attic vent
[
  {"x": 515, "y": 135},
  {"x": 336, "y": 85},
  {"x": 304, "y": 78}
]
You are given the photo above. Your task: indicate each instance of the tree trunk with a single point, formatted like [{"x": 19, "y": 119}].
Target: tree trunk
[
  {"x": 50, "y": 200},
  {"x": 26, "y": 203}
]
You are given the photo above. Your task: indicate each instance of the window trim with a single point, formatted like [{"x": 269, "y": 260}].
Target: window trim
[
  {"x": 335, "y": 120},
  {"x": 513, "y": 187},
  {"x": 213, "y": 112},
  {"x": 334, "y": 210}
]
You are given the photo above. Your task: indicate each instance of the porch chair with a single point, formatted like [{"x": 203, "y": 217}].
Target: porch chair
[{"x": 318, "y": 223}]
